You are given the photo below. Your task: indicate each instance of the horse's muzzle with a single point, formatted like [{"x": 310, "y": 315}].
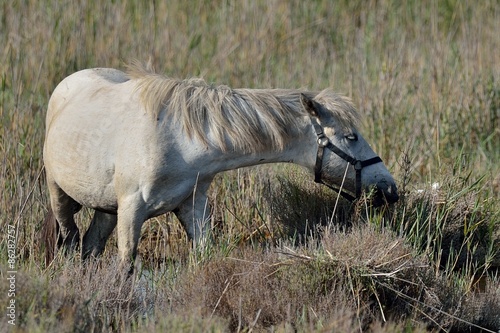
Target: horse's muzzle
[{"x": 385, "y": 193}]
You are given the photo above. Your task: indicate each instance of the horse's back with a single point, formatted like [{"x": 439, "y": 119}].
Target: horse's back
[{"x": 77, "y": 84}]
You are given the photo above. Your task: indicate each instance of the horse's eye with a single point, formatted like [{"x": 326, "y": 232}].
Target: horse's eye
[{"x": 352, "y": 137}]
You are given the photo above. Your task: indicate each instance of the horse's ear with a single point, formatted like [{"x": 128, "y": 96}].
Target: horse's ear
[{"x": 310, "y": 105}]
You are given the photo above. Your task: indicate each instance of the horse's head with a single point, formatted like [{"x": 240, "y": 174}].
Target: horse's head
[{"x": 344, "y": 160}]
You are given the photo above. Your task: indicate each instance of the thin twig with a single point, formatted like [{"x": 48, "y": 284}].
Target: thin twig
[
  {"x": 252, "y": 325},
  {"x": 222, "y": 295}
]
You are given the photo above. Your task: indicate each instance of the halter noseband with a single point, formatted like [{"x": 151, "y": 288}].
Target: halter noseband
[{"x": 324, "y": 142}]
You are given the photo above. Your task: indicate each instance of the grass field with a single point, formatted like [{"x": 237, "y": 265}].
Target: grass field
[{"x": 426, "y": 79}]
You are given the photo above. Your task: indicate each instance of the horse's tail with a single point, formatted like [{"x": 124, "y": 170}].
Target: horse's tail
[{"x": 50, "y": 233}]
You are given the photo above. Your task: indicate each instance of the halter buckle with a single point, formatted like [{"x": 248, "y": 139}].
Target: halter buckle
[
  {"x": 323, "y": 141},
  {"x": 358, "y": 165}
]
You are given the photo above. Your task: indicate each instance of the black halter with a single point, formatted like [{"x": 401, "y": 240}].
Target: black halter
[{"x": 323, "y": 142}]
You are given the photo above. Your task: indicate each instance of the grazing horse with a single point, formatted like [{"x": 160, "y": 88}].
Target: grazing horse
[{"x": 136, "y": 145}]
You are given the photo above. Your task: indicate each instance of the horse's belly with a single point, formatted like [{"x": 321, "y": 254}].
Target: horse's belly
[{"x": 87, "y": 187}]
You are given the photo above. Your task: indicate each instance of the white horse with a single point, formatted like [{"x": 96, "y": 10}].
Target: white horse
[{"x": 136, "y": 145}]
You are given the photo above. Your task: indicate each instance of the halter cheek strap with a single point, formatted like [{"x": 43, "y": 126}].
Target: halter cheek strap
[{"x": 324, "y": 142}]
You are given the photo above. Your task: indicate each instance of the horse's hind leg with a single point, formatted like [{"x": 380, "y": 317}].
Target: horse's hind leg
[
  {"x": 64, "y": 207},
  {"x": 94, "y": 240}
]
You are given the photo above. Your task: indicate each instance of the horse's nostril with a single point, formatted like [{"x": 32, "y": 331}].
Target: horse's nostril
[{"x": 388, "y": 192}]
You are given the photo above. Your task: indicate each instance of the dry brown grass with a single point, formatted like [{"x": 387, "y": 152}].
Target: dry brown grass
[
  {"x": 356, "y": 278},
  {"x": 349, "y": 281}
]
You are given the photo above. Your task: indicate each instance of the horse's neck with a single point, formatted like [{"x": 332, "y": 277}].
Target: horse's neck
[{"x": 300, "y": 150}]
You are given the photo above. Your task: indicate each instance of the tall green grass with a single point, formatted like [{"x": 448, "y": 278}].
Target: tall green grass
[{"x": 426, "y": 78}]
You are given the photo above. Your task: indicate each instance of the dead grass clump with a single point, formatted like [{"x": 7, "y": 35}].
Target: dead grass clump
[
  {"x": 303, "y": 286},
  {"x": 480, "y": 308},
  {"x": 357, "y": 279},
  {"x": 406, "y": 286},
  {"x": 76, "y": 298},
  {"x": 383, "y": 272}
]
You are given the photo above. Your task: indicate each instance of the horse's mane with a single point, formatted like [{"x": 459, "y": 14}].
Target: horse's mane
[{"x": 248, "y": 120}]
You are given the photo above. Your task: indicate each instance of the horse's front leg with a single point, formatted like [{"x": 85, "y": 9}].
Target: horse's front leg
[
  {"x": 194, "y": 214},
  {"x": 131, "y": 217}
]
